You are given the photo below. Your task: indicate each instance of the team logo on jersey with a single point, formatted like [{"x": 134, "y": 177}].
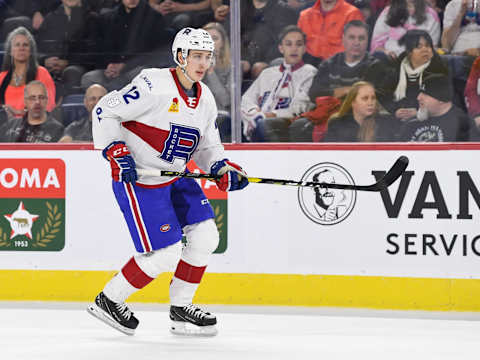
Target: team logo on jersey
[
  {"x": 32, "y": 199},
  {"x": 165, "y": 228},
  {"x": 322, "y": 205},
  {"x": 181, "y": 143},
  {"x": 174, "y": 107},
  {"x": 192, "y": 102},
  {"x": 113, "y": 101}
]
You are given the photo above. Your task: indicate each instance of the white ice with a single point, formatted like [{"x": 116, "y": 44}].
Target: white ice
[{"x": 65, "y": 331}]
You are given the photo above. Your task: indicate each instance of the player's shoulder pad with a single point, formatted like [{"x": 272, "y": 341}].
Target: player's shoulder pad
[
  {"x": 152, "y": 79},
  {"x": 110, "y": 101},
  {"x": 207, "y": 93}
]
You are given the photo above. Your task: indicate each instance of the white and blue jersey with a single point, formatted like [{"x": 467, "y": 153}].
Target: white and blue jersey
[
  {"x": 282, "y": 90},
  {"x": 163, "y": 128}
]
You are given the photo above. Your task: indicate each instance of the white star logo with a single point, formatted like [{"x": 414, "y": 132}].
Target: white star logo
[{"x": 21, "y": 222}]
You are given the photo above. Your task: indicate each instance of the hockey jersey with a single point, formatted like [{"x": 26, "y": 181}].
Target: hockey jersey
[
  {"x": 161, "y": 125},
  {"x": 281, "y": 89}
]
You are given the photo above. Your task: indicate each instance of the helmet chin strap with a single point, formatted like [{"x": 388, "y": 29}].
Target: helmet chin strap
[{"x": 184, "y": 71}]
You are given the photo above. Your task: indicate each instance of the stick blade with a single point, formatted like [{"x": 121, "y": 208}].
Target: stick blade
[{"x": 394, "y": 173}]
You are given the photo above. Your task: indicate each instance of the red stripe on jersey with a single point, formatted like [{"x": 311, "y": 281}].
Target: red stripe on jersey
[
  {"x": 182, "y": 93},
  {"x": 134, "y": 275},
  {"x": 189, "y": 273},
  {"x": 156, "y": 186},
  {"x": 153, "y": 136},
  {"x": 138, "y": 218},
  {"x": 186, "y": 142}
]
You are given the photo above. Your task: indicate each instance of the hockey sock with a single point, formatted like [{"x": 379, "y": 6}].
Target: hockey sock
[
  {"x": 126, "y": 282},
  {"x": 185, "y": 283},
  {"x": 202, "y": 240}
]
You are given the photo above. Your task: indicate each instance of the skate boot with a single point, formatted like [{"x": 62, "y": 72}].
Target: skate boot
[
  {"x": 191, "y": 320},
  {"x": 117, "y": 315}
]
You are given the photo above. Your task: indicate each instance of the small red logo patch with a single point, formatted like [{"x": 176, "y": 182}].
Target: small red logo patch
[{"x": 165, "y": 228}]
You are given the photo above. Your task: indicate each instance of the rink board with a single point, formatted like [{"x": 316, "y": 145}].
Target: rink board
[{"x": 416, "y": 246}]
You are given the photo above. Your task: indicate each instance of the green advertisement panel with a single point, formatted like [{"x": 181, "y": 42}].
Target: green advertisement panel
[{"x": 32, "y": 224}]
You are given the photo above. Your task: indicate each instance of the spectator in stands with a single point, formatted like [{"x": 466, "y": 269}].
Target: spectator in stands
[
  {"x": 461, "y": 28},
  {"x": 66, "y": 41},
  {"x": 81, "y": 130},
  {"x": 378, "y": 6},
  {"x": 438, "y": 119},
  {"x": 19, "y": 68},
  {"x": 323, "y": 23},
  {"x": 335, "y": 78},
  {"x": 397, "y": 19},
  {"x": 439, "y": 7},
  {"x": 358, "y": 119},
  {"x": 218, "y": 77},
  {"x": 27, "y": 13},
  {"x": 36, "y": 125},
  {"x": 221, "y": 10},
  {"x": 262, "y": 21},
  {"x": 179, "y": 14},
  {"x": 472, "y": 92},
  {"x": 299, "y": 5},
  {"x": 133, "y": 36},
  {"x": 279, "y": 94},
  {"x": 368, "y": 16},
  {"x": 399, "y": 83}
]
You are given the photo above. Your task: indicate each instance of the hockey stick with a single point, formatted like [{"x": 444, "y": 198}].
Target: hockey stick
[{"x": 389, "y": 178}]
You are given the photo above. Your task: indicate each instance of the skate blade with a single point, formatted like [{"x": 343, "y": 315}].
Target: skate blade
[
  {"x": 187, "y": 329},
  {"x": 97, "y": 312}
]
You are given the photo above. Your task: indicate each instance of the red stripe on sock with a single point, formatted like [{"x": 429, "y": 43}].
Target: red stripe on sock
[
  {"x": 189, "y": 273},
  {"x": 134, "y": 275}
]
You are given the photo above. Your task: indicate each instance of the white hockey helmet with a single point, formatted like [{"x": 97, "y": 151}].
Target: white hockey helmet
[{"x": 191, "y": 39}]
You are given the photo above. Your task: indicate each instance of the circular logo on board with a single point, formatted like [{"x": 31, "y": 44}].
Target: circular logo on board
[{"x": 322, "y": 205}]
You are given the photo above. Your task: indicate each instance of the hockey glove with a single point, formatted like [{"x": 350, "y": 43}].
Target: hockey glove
[
  {"x": 233, "y": 177},
  {"x": 122, "y": 163}
]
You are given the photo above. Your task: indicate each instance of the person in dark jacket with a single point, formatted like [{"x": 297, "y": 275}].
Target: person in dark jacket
[
  {"x": 399, "y": 82},
  {"x": 262, "y": 21},
  {"x": 66, "y": 42},
  {"x": 438, "y": 119},
  {"x": 133, "y": 36},
  {"x": 37, "y": 125},
  {"x": 358, "y": 119}
]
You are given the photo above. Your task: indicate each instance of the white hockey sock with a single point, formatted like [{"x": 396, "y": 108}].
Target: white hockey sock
[
  {"x": 119, "y": 289},
  {"x": 185, "y": 283},
  {"x": 126, "y": 282}
]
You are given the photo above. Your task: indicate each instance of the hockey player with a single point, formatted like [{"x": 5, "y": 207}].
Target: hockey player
[{"x": 161, "y": 120}]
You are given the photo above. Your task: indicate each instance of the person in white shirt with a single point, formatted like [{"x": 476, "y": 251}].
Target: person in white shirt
[
  {"x": 395, "y": 20},
  {"x": 280, "y": 93},
  {"x": 461, "y": 27}
]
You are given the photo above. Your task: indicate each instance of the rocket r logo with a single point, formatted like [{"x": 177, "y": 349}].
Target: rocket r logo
[{"x": 181, "y": 143}]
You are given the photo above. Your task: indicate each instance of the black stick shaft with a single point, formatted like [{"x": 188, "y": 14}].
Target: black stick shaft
[{"x": 390, "y": 177}]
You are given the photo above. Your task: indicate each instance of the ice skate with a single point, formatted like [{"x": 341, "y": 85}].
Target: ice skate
[
  {"x": 117, "y": 315},
  {"x": 193, "y": 321}
]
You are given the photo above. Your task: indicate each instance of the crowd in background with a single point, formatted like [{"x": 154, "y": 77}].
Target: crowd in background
[{"x": 312, "y": 71}]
